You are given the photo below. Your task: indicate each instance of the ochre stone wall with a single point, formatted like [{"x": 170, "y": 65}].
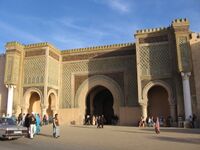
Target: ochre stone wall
[
  {"x": 53, "y": 72},
  {"x": 3, "y": 89},
  {"x": 195, "y": 49},
  {"x": 34, "y": 70},
  {"x": 115, "y": 65}
]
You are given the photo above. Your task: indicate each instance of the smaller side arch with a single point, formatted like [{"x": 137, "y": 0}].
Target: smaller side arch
[
  {"x": 158, "y": 83},
  {"x": 27, "y": 95},
  {"x": 54, "y": 99},
  {"x": 144, "y": 101}
]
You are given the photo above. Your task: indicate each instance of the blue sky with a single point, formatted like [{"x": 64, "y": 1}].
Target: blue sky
[{"x": 82, "y": 23}]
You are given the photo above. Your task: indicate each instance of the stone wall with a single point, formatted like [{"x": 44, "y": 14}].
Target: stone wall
[
  {"x": 34, "y": 70},
  {"x": 114, "y": 67},
  {"x": 3, "y": 89},
  {"x": 195, "y": 49}
]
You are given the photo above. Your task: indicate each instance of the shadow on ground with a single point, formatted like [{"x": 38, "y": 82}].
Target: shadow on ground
[
  {"x": 176, "y": 130},
  {"x": 180, "y": 140},
  {"x": 45, "y": 135}
]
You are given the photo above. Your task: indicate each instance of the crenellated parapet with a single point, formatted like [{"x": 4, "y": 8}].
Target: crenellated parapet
[
  {"x": 34, "y": 45},
  {"x": 40, "y": 45},
  {"x": 180, "y": 21},
  {"x": 10, "y": 46},
  {"x": 97, "y": 48},
  {"x": 152, "y": 30}
]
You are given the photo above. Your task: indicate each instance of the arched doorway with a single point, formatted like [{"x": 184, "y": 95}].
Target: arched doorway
[
  {"x": 51, "y": 105},
  {"x": 34, "y": 103},
  {"x": 91, "y": 83},
  {"x": 158, "y": 104},
  {"x": 99, "y": 101},
  {"x": 49, "y": 110}
]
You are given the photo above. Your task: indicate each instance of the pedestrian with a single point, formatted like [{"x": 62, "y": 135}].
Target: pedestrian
[
  {"x": 38, "y": 122},
  {"x": 19, "y": 119},
  {"x": 32, "y": 125},
  {"x": 102, "y": 121},
  {"x": 27, "y": 123},
  {"x": 98, "y": 121},
  {"x": 157, "y": 126},
  {"x": 56, "y": 129}
]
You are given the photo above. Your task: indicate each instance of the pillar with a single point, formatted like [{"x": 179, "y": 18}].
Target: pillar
[
  {"x": 44, "y": 111},
  {"x": 144, "y": 110},
  {"x": 10, "y": 100},
  {"x": 173, "y": 111},
  {"x": 187, "y": 94}
]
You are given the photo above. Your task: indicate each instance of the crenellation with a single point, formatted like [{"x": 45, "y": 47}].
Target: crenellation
[
  {"x": 151, "y": 30},
  {"x": 97, "y": 48}
]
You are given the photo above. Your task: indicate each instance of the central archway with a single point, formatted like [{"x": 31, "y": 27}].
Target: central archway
[
  {"x": 99, "y": 101},
  {"x": 95, "y": 81}
]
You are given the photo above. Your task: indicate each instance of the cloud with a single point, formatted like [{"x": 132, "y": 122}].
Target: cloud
[
  {"x": 17, "y": 33},
  {"x": 122, "y": 6}
]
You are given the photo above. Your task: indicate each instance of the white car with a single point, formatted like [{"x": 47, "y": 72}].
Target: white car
[{"x": 9, "y": 129}]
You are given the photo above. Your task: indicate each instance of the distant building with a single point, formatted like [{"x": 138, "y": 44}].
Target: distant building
[{"x": 158, "y": 75}]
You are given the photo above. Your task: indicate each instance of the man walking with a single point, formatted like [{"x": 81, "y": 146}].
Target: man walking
[{"x": 56, "y": 129}]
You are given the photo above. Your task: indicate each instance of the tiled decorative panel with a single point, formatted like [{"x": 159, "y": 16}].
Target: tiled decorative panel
[
  {"x": 34, "y": 70},
  {"x": 101, "y": 66}
]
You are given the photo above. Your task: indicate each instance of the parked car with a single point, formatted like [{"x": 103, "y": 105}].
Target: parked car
[{"x": 10, "y": 130}]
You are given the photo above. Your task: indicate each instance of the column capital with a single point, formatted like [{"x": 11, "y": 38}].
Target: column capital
[
  {"x": 10, "y": 86},
  {"x": 185, "y": 75}
]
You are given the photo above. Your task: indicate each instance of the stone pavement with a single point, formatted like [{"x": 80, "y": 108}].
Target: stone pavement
[{"x": 109, "y": 138}]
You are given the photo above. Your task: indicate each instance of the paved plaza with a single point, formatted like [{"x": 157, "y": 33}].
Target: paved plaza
[{"x": 108, "y": 138}]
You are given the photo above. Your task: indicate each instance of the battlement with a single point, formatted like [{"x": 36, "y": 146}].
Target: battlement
[
  {"x": 42, "y": 44},
  {"x": 180, "y": 22},
  {"x": 96, "y": 48},
  {"x": 151, "y": 30},
  {"x": 13, "y": 43}
]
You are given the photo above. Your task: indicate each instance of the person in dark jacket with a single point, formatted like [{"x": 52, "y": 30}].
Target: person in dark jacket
[{"x": 32, "y": 125}]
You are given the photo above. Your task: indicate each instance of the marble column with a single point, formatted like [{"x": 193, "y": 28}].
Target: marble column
[
  {"x": 144, "y": 110},
  {"x": 10, "y": 100},
  {"x": 187, "y": 94}
]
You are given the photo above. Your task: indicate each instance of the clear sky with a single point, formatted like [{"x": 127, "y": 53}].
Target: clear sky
[{"x": 82, "y": 23}]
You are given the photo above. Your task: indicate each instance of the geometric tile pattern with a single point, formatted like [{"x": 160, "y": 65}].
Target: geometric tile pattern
[
  {"x": 101, "y": 66},
  {"x": 53, "y": 72},
  {"x": 154, "y": 60},
  {"x": 34, "y": 70}
]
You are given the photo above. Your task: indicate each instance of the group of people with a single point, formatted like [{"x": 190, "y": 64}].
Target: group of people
[
  {"x": 95, "y": 120},
  {"x": 33, "y": 122},
  {"x": 151, "y": 122}
]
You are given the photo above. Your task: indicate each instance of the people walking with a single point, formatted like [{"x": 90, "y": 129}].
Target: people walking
[
  {"x": 102, "y": 121},
  {"x": 32, "y": 125},
  {"x": 157, "y": 126},
  {"x": 98, "y": 121},
  {"x": 56, "y": 129},
  {"x": 38, "y": 122}
]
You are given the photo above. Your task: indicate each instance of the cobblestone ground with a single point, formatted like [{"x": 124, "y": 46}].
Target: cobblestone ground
[{"x": 108, "y": 138}]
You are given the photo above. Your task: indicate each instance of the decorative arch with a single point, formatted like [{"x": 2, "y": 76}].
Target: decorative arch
[
  {"x": 98, "y": 80},
  {"x": 27, "y": 96},
  {"x": 54, "y": 99},
  {"x": 28, "y": 93},
  {"x": 158, "y": 83},
  {"x": 171, "y": 99}
]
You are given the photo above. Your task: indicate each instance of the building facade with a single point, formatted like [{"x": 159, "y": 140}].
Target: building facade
[{"x": 155, "y": 76}]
